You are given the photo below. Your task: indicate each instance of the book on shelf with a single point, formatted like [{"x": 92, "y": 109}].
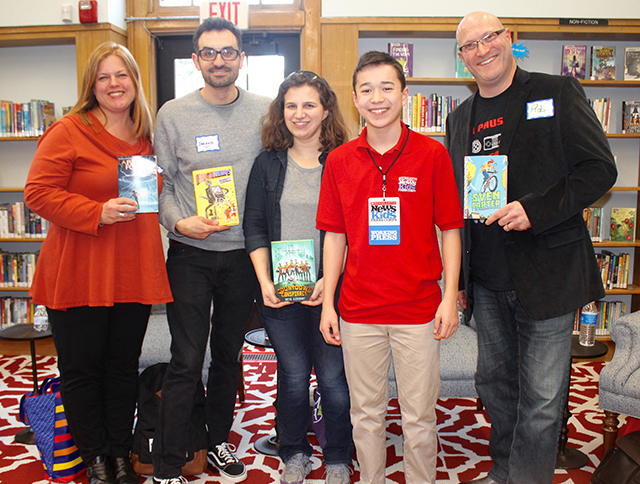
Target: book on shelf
[
  {"x": 294, "y": 269},
  {"x": 574, "y": 58},
  {"x": 623, "y": 224},
  {"x": 17, "y": 268},
  {"x": 215, "y": 193},
  {"x": 138, "y": 181},
  {"x": 614, "y": 269},
  {"x": 594, "y": 220},
  {"x": 26, "y": 119},
  {"x": 602, "y": 108},
  {"x": 461, "y": 70},
  {"x": 485, "y": 185},
  {"x": 403, "y": 53},
  {"x": 18, "y": 221},
  {"x": 632, "y": 63},
  {"x": 15, "y": 310},
  {"x": 603, "y": 63},
  {"x": 428, "y": 114},
  {"x": 631, "y": 116}
]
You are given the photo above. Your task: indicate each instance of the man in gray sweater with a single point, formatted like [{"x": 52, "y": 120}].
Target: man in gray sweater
[{"x": 213, "y": 127}]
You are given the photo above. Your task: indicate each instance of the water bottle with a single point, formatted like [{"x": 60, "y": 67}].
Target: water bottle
[
  {"x": 588, "y": 325},
  {"x": 40, "y": 319}
]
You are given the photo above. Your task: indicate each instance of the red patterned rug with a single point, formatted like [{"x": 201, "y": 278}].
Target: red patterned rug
[{"x": 463, "y": 431}]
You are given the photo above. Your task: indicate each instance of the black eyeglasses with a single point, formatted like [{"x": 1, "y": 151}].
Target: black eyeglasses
[
  {"x": 486, "y": 40},
  {"x": 227, "y": 53}
]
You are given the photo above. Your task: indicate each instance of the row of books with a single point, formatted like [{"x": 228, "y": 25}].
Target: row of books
[
  {"x": 16, "y": 310},
  {"x": 17, "y": 221},
  {"x": 602, "y": 108},
  {"x": 622, "y": 224},
  {"x": 603, "y": 62},
  {"x": 614, "y": 269},
  {"x": 608, "y": 312},
  {"x": 26, "y": 119},
  {"x": 17, "y": 268},
  {"x": 428, "y": 114}
]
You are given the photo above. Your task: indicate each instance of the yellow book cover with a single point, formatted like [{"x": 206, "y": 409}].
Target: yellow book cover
[{"x": 215, "y": 192}]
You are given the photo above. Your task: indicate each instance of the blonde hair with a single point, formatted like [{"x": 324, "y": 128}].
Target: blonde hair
[{"x": 139, "y": 110}]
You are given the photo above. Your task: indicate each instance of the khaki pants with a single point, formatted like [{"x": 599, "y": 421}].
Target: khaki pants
[{"x": 367, "y": 349}]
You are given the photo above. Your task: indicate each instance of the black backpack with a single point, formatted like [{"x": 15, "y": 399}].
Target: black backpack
[{"x": 149, "y": 394}]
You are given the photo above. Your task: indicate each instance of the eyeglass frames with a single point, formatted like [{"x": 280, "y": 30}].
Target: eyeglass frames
[
  {"x": 210, "y": 54},
  {"x": 486, "y": 40}
]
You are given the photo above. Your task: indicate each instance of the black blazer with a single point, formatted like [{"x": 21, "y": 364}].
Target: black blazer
[{"x": 558, "y": 165}]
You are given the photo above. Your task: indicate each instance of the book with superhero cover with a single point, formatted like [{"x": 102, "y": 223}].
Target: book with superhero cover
[
  {"x": 215, "y": 192},
  {"x": 603, "y": 63},
  {"x": 632, "y": 63},
  {"x": 574, "y": 58},
  {"x": 403, "y": 53},
  {"x": 138, "y": 180},
  {"x": 485, "y": 186},
  {"x": 630, "y": 117},
  {"x": 623, "y": 224},
  {"x": 294, "y": 269}
]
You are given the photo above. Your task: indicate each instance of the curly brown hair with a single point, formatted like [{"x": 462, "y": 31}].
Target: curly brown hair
[{"x": 276, "y": 136}]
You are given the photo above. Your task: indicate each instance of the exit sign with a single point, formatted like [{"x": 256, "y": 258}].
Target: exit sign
[{"x": 236, "y": 11}]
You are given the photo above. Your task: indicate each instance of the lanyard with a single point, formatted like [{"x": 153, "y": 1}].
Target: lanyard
[{"x": 384, "y": 173}]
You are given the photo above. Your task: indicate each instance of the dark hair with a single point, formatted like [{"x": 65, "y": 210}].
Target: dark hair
[
  {"x": 375, "y": 58},
  {"x": 276, "y": 135},
  {"x": 216, "y": 23}
]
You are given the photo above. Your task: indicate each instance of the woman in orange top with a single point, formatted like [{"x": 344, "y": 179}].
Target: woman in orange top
[{"x": 101, "y": 266}]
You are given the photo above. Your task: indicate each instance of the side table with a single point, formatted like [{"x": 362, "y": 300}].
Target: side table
[
  {"x": 568, "y": 457},
  {"x": 25, "y": 332}
]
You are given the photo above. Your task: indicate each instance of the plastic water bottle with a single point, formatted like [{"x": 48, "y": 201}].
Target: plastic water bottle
[
  {"x": 588, "y": 325},
  {"x": 40, "y": 319}
]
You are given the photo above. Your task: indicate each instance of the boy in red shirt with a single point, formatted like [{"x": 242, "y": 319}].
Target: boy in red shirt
[{"x": 385, "y": 192}]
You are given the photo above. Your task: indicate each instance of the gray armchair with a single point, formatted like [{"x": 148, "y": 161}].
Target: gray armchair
[{"x": 619, "y": 386}]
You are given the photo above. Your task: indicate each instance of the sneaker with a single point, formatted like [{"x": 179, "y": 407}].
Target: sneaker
[
  {"x": 173, "y": 480},
  {"x": 338, "y": 474},
  {"x": 229, "y": 466},
  {"x": 296, "y": 469}
]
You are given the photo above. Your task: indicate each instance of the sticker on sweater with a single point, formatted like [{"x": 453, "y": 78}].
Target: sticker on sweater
[
  {"x": 384, "y": 221},
  {"x": 540, "y": 109},
  {"x": 207, "y": 143}
]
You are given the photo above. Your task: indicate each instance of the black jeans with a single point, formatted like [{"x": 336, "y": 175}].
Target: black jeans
[
  {"x": 197, "y": 278},
  {"x": 98, "y": 350}
]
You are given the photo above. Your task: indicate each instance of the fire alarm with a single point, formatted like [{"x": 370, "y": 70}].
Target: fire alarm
[{"x": 88, "y": 11}]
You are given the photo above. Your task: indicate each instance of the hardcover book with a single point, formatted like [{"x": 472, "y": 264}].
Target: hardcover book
[
  {"x": 485, "y": 185},
  {"x": 294, "y": 269},
  {"x": 138, "y": 180},
  {"x": 403, "y": 53},
  {"x": 603, "y": 63},
  {"x": 632, "y": 64},
  {"x": 215, "y": 192},
  {"x": 623, "y": 224},
  {"x": 574, "y": 58},
  {"x": 631, "y": 116}
]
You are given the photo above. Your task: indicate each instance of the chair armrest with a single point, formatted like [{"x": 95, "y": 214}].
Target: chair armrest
[{"x": 622, "y": 373}]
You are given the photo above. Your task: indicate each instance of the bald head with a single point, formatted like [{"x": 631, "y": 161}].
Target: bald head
[{"x": 474, "y": 19}]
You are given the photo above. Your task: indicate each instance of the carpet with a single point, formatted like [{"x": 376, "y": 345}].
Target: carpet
[{"x": 463, "y": 431}]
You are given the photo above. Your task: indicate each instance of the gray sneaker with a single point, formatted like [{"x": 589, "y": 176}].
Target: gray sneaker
[
  {"x": 338, "y": 474},
  {"x": 296, "y": 469}
]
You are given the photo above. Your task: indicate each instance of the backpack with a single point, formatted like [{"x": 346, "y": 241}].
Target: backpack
[
  {"x": 621, "y": 465},
  {"x": 149, "y": 397}
]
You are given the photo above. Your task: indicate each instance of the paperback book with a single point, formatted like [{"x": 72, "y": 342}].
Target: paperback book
[
  {"x": 403, "y": 53},
  {"x": 138, "y": 180},
  {"x": 623, "y": 224},
  {"x": 631, "y": 116},
  {"x": 294, "y": 269},
  {"x": 632, "y": 64},
  {"x": 485, "y": 190},
  {"x": 574, "y": 58},
  {"x": 215, "y": 192},
  {"x": 603, "y": 63}
]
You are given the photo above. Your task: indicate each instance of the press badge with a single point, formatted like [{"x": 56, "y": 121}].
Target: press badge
[
  {"x": 540, "y": 109},
  {"x": 384, "y": 221}
]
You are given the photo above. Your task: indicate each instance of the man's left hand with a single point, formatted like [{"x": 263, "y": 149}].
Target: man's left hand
[{"x": 511, "y": 217}]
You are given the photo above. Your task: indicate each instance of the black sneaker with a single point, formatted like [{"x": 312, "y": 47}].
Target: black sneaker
[{"x": 229, "y": 466}]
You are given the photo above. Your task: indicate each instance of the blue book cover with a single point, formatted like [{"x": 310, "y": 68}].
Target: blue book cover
[
  {"x": 485, "y": 190},
  {"x": 138, "y": 180},
  {"x": 294, "y": 269}
]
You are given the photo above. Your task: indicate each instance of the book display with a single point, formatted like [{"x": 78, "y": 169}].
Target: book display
[
  {"x": 603, "y": 63},
  {"x": 630, "y": 117},
  {"x": 574, "y": 60},
  {"x": 632, "y": 64},
  {"x": 403, "y": 52}
]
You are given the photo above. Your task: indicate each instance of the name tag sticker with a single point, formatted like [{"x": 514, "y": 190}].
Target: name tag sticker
[
  {"x": 540, "y": 109},
  {"x": 384, "y": 221},
  {"x": 207, "y": 143}
]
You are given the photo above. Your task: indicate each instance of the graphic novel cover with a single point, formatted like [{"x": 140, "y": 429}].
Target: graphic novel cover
[
  {"x": 632, "y": 63},
  {"x": 574, "y": 58},
  {"x": 138, "y": 180},
  {"x": 603, "y": 63},
  {"x": 631, "y": 116},
  {"x": 623, "y": 224},
  {"x": 294, "y": 269},
  {"x": 215, "y": 192},
  {"x": 485, "y": 189},
  {"x": 403, "y": 53}
]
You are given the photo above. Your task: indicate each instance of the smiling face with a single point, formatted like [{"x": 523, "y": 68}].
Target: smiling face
[
  {"x": 218, "y": 73},
  {"x": 379, "y": 96},
  {"x": 114, "y": 89},
  {"x": 303, "y": 113},
  {"x": 492, "y": 65}
]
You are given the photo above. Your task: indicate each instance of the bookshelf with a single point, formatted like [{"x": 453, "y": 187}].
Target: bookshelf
[{"x": 344, "y": 39}]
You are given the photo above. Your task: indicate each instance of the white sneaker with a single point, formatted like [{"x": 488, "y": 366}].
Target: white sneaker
[
  {"x": 296, "y": 469},
  {"x": 338, "y": 474},
  {"x": 173, "y": 480}
]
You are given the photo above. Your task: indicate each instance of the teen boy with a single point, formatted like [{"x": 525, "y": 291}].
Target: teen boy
[{"x": 385, "y": 192}]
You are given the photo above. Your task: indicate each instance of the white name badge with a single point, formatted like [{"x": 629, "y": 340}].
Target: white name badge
[
  {"x": 207, "y": 143},
  {"x": 384, "y": 221},
  {"x": 540, "y": 109}
]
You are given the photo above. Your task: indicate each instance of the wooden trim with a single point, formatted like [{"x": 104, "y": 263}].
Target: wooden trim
[{"x": 311, "y": 37}]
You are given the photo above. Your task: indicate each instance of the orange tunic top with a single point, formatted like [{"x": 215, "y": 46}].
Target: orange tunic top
[{"x": 73, "y": 173}]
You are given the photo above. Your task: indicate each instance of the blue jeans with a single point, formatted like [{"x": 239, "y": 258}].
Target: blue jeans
[
  {"x": 198, "y": 278},
  {"x": 523, "y": 372},
  {"x": 294, "y": 332}
]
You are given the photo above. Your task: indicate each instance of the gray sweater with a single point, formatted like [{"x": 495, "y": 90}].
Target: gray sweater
[{"x": 192, "y": 134}]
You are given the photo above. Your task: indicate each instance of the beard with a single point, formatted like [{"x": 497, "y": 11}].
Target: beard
[{"x": 218, "y": 82}]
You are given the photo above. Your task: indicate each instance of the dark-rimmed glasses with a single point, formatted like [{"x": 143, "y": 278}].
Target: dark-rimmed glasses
[
  {"x": 486, "y": 40},
  {"x": 210, "y": 54}
]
